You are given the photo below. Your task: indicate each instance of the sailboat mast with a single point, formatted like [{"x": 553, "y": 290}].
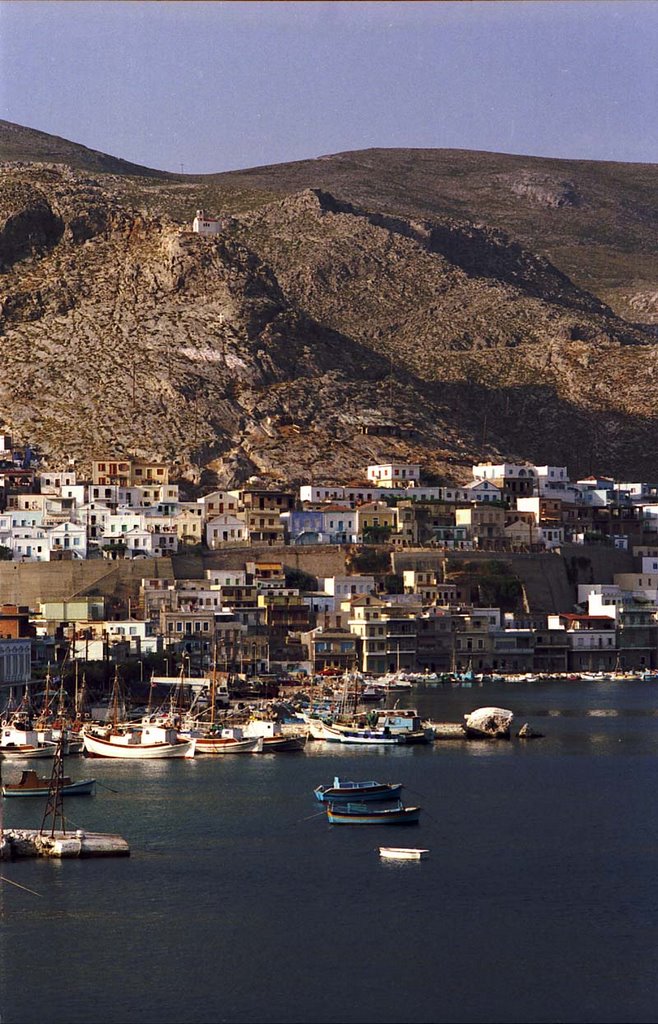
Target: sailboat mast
[
  {"x": 46, "y": 699},
  {"x": 213, "y": 684},
  {"x": 115, "y": 699}
]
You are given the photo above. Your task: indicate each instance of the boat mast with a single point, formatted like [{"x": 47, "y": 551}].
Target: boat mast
[
  {"x": 82, "y": 696},
  {"x": 213, "y": 684},
  {"x": 45, "y": 710},
  {"x": 148, "y": 703},
  {"x": 61, "y": 700},
  {"x": 75, "y": 691},
  {"x": 115, "y": 699}
]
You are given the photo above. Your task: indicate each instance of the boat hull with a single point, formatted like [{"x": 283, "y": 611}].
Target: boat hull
[
  {"x": 282, "y": 744},
  {"x": 97, "y": 747},
  {"x": 221, "y": 746},
  {"x": 85, "y": 787},
  {"x": 402, "y": 853},
  {"x": 332, "y": 794},
  {"x": 361, "y": 737},
  {"x": 24, "y": 753},
  {"x": 394, "y": 816}
]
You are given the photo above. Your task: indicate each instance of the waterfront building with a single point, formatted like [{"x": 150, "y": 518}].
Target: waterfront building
[{"x": 15, "y": 665}]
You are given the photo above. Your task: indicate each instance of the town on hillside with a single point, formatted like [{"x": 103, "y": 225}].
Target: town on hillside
[{"x": 521, "y": 572}]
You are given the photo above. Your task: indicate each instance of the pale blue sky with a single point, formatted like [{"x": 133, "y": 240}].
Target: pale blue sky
[{"x": 216, "y": 86}]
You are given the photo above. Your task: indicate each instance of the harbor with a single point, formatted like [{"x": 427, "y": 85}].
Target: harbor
[{"x": 225, "y": 850}]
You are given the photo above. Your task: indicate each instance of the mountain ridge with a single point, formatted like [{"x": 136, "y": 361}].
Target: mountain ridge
[{"x": 270, "y": 349}]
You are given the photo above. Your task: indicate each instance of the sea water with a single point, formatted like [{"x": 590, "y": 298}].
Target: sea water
[{"x": 240, "y": 903}]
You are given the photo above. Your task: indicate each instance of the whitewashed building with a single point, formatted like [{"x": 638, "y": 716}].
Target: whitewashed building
[
  {"x": 225, "y": 529},
  {"x": 204, "y": 224},
  {"x": 394, "y": 474}
]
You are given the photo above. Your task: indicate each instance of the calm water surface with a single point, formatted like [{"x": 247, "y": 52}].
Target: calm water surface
[{"x": 240, "y": 904}]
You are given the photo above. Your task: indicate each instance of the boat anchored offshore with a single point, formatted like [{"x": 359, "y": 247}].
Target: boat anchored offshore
[
  {"x": 402, "y": 853},
  {"x": 343, "y": 791},
  {"x": 30, "y": 784},
  {"x": 362, "y": 814}
]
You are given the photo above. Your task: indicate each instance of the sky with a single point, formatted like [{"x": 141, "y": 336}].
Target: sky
[{"x": 224, "y": 85}]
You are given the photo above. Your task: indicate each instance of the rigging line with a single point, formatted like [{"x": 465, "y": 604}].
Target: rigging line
[
  {"x": 416, "y": 791},
  {"x": 107, "y": 787},
  {"x": 3, "y": 878},
  {"x": 317, "y": 815}
]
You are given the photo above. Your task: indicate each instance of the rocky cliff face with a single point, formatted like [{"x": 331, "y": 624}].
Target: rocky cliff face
[{"x": 266, "y": 350}]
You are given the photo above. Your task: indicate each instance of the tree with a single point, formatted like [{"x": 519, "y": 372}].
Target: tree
[
  {"x": 376, "y": 534},
  {"x": 6, "y": 554}
]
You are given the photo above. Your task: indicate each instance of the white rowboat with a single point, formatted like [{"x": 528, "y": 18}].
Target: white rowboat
[{"x": 402, "y": 853}]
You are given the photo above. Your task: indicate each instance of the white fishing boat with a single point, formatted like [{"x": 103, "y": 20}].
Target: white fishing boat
[
  {"x": 18, "y": 744},
  {"x": 356, "y": 735},
  {"x": 402, "y": 853},
  {"x": 137, "y": 743},
  {"x": 225, "y": 741}
]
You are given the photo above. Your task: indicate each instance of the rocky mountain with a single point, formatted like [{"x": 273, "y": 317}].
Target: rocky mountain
[{"x": 339, "y": 299}]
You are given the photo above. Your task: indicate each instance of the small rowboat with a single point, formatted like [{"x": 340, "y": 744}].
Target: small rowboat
[
  {"x": 402, "y": 853},
  {"x": 342, "y": 791},
  {"x": 361, "y": 814},
  {"x": 31, "y": 784}
]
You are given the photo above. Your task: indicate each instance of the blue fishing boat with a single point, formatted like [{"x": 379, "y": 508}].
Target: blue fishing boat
[
  {"x": 31, "y": 784},
  {"x": 361, "y": 814},
  {"x": 342, "y": 791}
]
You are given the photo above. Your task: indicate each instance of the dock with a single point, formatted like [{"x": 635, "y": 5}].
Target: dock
[{"x": 27, "y": 842}]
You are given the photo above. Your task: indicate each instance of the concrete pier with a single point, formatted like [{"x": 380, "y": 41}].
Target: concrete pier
[{"x": 27, "y": 842}]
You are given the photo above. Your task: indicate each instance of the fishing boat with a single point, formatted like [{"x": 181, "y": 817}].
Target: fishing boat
[
  {"x": 373, "y": 694},
  {"x": 31, "y": 784},
  {"x": 361, "y": 814},
  {"x": 22, "y": 743},
  {"x": 274, "y": 738},
  {"x": 402, "y": 853},
  {"x": 156, "y": 736},
  {"x": 354, "y": 735},
  {"x": 227, "y": 741},
  {"x": 137, "y": 743},
  {"x": 363, "y": 791},
  {"x": 210, "y": 738}
]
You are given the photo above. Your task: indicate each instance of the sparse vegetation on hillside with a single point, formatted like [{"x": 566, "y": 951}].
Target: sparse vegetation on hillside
[{"x": 268, "y": 350}]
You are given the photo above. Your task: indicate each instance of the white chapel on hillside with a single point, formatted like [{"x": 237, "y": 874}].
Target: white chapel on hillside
[{"x": 205, "y": 225}]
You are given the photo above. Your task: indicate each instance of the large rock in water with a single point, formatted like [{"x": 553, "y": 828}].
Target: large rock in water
[{"x": 489, "y": 723}]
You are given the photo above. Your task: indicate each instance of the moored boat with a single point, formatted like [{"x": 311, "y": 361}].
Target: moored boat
[
  {"x": 362, "y": 814},
  {"x": 227, "y": 741},
  {"x": 402, "y": 853},
  {"x": 351, "y": 734},
  {"x": 343, "y": 790},
  {"x": 30, "y": 784},
  {"x": 273, "y": 737},
  {"x": 19, "y": 744},
  {"x": 144, "y": 742}
]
